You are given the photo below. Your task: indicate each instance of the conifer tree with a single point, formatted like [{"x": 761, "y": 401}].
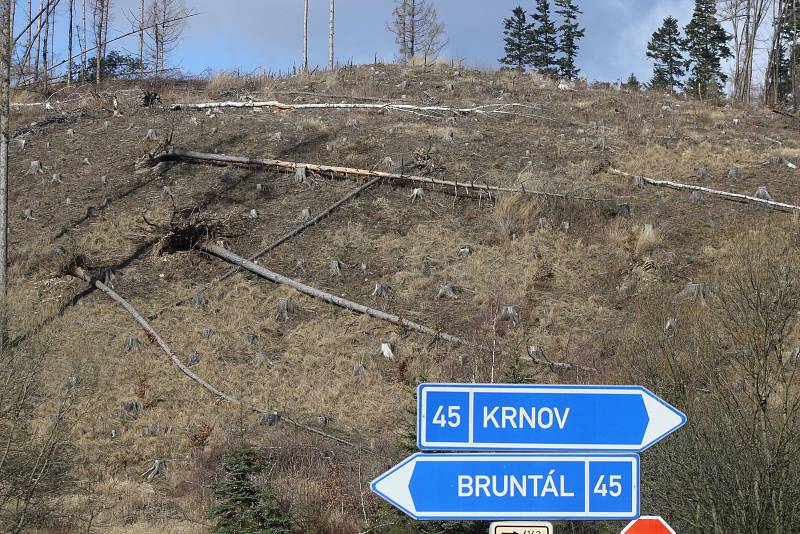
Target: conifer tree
[
  {"x": 518, "y": 44},
  {"x": 665, "y": 49},
  {"x": 706, "y": 46},
  {"x": 570, "y": 33},
  {"x": 545, "y": 45},
  {"x": 243, "y": 505}
]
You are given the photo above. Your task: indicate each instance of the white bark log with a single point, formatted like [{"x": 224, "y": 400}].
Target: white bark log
[
  {"x": 153, "y": 336},
  {"x": 502, "y": 109},
  {"x": 470, "y": 188},
  {"x": 735, "y": 197},
  {"x": 330, "y": 298}
]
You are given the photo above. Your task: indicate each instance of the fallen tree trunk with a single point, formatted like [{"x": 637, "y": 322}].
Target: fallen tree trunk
[
  {"x": 77, "y": 272},
  {"x": 276, "y": 278},
  {"x": 300, "y": 229},
  {"x": 176, "y": 154},
  {"x": 274, "y": 104},
  {"x": 735, "y": 197}
]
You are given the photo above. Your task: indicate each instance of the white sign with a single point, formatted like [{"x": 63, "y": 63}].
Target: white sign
[{"x": 517, "y": 527}]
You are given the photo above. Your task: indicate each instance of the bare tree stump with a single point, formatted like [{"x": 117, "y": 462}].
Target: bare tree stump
[
  {"x": 336, "y": 267},
  {"x": 133, "y": 344},
  {"x": 305, "y": 215},
  {"x": 132, "y": 408},
  {"x": 159, "y": 467},
  {"x": 763, "y": 194},
  {"x": 194, "y": 358},
  {"x": 696, "y": 197},
  {"x": 36, "y": 167},
  {"x": 693, "y": 291},
  {"x": 252, "y": 214},
  {"x": 359, "y": 369},
  {"x": 465, "y": 250},
  {"x": 508, "y": 314},
  {"x": 387, "y": 350},
  {"x": 152, "y": 135},
  {"x": 27, "y": 214},
  {"x": 416, "y": 193},
  {"x": 284, "y": 308},
  {"x": 446, "y": 291}
]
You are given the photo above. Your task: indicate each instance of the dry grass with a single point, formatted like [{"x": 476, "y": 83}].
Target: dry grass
[{"x": 576, "y": 288}]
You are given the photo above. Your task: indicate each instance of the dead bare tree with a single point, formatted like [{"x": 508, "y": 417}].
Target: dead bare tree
[
  {"x": 305, "y": 36},
  {"x": 166, "y": 22},
  {"x": 746, "y": 19},
  {"x": 331, "y": 19},
  {"x": 100, "y": 13},
  {"x": 69, "y": 43},
  {"x": 417, "y": 30},
  {"x": 6, "y": 52}
]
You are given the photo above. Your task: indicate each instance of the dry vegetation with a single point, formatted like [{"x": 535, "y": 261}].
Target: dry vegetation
[{"x": 596, "y": 291}]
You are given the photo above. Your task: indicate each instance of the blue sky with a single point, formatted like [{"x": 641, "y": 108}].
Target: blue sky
[{"x": 267, "y": 34}]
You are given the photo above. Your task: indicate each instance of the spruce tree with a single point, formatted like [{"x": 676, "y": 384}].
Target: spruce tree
[
  {"x": 706, "y": 46},
  {"x": 545, "y": 45},
  {"x": 243, "y": 505},
  {"x": 570, "y": 33},
  {"x": 665, "y": 49},
  {"x": 518, "y": 45}
]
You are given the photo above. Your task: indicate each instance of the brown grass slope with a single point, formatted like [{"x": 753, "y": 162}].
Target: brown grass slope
[{"x": 576, "y": 289}]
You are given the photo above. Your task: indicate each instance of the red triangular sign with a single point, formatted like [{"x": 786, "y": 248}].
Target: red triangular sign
[{"x": 648, "y": 524}]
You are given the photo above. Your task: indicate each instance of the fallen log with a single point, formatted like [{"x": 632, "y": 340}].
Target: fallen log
[
  {"x": 734, "y": 197},
  {"x": 330, "y": 298},
  {"x": 79, "y": 273},
  {"x": 300, "y": 229},
  {"x": 384, "y": 106},
  {"x": 176, "y": 154}
]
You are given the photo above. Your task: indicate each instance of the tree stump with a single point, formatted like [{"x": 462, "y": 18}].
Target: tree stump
[
  {"x": 132, "y": 409},
  {"x": 508, "y": 314},
  {"x": 446, "y": 291},
  {"x": 335, "y": 267},
  {"x": 36, "y": 167},
  {"x": 417, "y": 193},
  {"x": 387, "y": 351},
  {"x": 159, "y": 467},
  {"x": 194, "y": 358},
  {"x": 763, "y": 194},
  {"x": 284, "y": 308},
  {"x": 133, "y": 344}
]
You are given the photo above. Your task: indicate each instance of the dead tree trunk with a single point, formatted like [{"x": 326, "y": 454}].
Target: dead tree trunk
[
  {"x": 470, "y": 189},
  {"x": 276, "y": 278},
  {"x": 331, "y": 19},
  {"x": 38, "y": 42},
  {"x": 735, "y": 197},
  {"x": 300, "y": 229},
  {"x": 155, "y": 337},
  {"x": 6, "y": 54}
]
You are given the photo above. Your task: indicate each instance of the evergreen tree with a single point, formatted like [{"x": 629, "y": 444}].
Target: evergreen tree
[
  {"x": 570, "y": 33},
  {"x": 545, "y": 45},
  {"x": 665, "y": 49},
  {"x": 518, "y": 33},
  {"x": 632, "y": 84},
  {"x": 706, "y": 46},
  {"x": 788, "y": 54},
  {"x": 243, "y": 505}
]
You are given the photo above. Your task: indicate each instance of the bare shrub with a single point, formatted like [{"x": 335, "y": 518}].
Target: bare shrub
[{"x": 728, "y": 366}]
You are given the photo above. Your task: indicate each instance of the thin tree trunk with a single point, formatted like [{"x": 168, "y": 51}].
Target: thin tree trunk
[
  {"x": 44, "y": 47},
  {"x": 331, "y": 24},
  {"x": 69, "y": 45},
  {"x": 98, "y": 37},
  {"x": 305, "y": 36},
  {"x": 84, "y": 45},
  {"x": 5, "y": 111},
  {"x": 29, "y": 42},
  {"x": 158, "y": 340},
  {"x": 727, "y": 195},
  {"x": 141, "y": 38},
  {"x": 38, "y": 42},
  {"x": 330, "y": 298}
]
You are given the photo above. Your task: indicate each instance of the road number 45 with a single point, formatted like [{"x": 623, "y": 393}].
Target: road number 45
[
  {"x": 612, "y": 488},
  {"x": 453, "y": 418}
]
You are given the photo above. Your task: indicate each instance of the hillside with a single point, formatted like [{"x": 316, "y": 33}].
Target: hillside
[{"x": 589, "y": 284}]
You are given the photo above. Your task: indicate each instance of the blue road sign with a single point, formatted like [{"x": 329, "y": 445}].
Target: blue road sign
[
  {"x": 541, "y": 418},
  {"x": 513, "y": 486}
]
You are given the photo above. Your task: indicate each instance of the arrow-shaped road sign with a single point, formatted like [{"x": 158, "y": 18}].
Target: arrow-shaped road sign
[
  {"x": 513, "y": 486},
  {"x": 648, "y": 525},
  {"x": 541, "y": 418}
]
